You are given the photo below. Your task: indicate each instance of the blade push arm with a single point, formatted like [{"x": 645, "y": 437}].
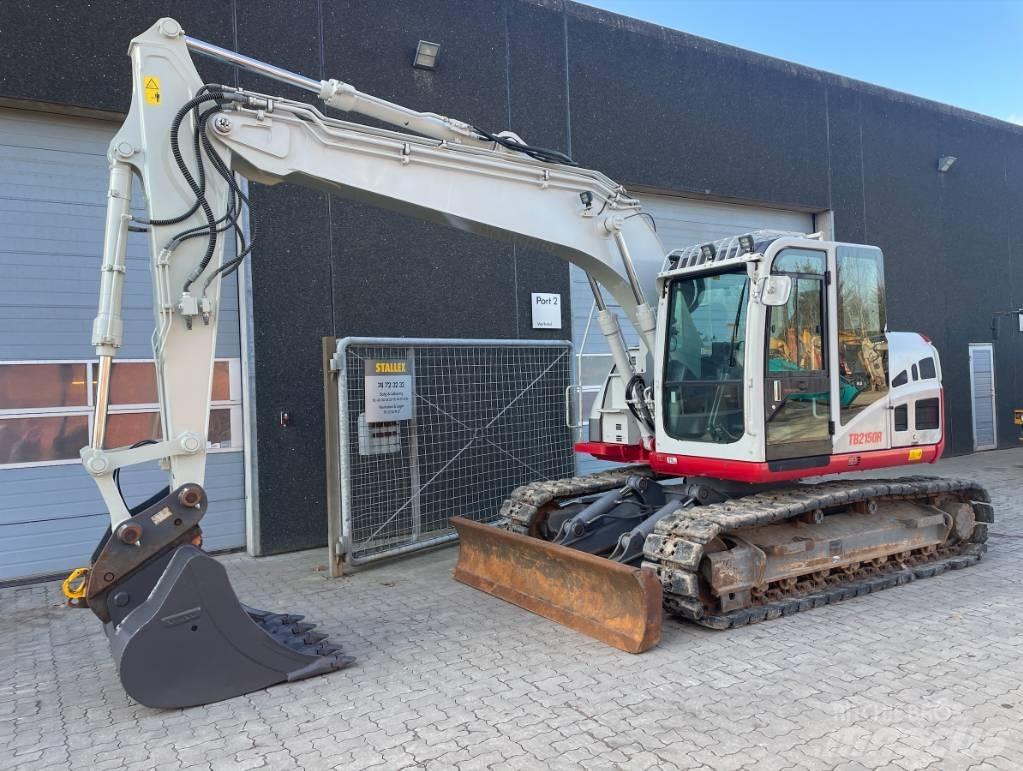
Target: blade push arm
[{"x": 447, "y": 172}]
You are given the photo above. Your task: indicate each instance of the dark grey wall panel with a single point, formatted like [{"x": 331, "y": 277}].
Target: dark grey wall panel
[
  {"x": 73, "y": 53},
  {"x": 292, "y": 311},
  {"x": 1009, "y": 348},
  {"x": 397, "y": 276},
  {"x": 538, "y": 105},
  {"x": 371, "y": 45},
  {"x": 671, "y": 111},
  {"x": 977, "y": 269},
  {"x": 845, "y": 163},
  {"x": 292, "y": 304},
  {"x": 293, "y": 44},
  {"x": 538, "y": 101}
]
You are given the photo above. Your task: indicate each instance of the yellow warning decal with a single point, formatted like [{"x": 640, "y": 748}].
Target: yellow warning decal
[
  {"x": 151, "y": 88},
  {"x": 916, "y": 454}
]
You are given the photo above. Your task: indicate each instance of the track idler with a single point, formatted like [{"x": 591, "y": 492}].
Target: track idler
[{"x": 178, "y": 634}]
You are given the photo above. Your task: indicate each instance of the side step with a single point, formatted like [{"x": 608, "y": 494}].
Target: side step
[
  {"x": 191, "y": 642},
  {"x": 611, "y": 602}
]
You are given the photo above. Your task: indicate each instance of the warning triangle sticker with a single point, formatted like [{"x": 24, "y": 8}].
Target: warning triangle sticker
[{"x": 151, "y": 84}]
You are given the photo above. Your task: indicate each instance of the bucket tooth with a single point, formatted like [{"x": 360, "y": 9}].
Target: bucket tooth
[
  {"x": 191, "y": 642},
  {"x": 614, "y": 603},
  {"x": 296, "y": 643},
  {"x": 268, "y": 618}
]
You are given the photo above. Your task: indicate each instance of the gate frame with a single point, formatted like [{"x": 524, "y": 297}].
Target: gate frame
[
  {"x": 338, "y": 437},
  {"x": 331, "y": 423}
]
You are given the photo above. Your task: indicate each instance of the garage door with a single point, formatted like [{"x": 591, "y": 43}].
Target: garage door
[
  {"x": 53, "y": 179},
  {"x": 680, "y": 222}
]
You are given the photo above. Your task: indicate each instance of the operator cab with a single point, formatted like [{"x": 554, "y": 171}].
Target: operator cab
[
  {"x": 776, "y": 353},
  {"x": 774, "y": 362}
]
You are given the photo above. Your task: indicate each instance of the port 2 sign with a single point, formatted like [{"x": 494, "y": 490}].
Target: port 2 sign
[
  {"x": 546, "y": 310},
  {"x": 389, "y": 391}
]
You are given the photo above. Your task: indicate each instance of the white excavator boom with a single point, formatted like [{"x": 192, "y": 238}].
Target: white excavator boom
[{"x": 447, "y": 172}]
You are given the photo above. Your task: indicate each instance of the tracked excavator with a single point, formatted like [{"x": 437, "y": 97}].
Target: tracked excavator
[{"x": 767, "y": 361}]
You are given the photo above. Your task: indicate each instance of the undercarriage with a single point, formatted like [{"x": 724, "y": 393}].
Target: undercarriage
[{"x": 727, "y": 556}]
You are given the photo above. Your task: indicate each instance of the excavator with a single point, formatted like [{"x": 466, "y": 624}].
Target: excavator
[{"x": 764, "y": 361}]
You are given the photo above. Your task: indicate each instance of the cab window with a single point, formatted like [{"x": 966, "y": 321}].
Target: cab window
[
  {"x": 799, "y": 261},
  {"x": 704, "y": 358},
  {"x": 862, "y": 345},
  {"x": 795, "y": 343},
  {"x": 795, "y": 339}
]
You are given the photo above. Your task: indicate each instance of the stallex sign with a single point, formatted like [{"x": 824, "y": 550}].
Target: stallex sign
[{"x": 389, "y": 391}]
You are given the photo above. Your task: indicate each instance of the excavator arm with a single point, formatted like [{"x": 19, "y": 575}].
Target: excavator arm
[{"x": 186, "y": 142}]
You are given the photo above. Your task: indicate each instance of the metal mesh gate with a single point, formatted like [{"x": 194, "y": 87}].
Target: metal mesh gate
[{"x": 431, "y": 429}]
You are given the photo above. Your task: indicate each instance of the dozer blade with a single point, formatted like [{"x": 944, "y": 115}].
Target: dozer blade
[
  {"x": 191, "y": 642},
  {"x": 614, "y": 603}
]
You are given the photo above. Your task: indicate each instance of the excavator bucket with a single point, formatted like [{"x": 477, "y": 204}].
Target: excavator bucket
[
  {"x": 609, "y": 601},
  {"x": 178, "y": 634}
]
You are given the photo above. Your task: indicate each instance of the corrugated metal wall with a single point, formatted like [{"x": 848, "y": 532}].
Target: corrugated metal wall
[{"x": 53, "y": 179}]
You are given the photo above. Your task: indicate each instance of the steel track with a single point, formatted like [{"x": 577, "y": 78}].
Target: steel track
[
  {"x": 676, "y": 548},
  {"x": 521, "y": 508}
]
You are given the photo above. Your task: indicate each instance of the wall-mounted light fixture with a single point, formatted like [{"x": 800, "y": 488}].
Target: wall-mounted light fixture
[
  {"x": 426, "y": 55},
  {"x": 945, "y": 163},
  {"x": 995, "y": 318}
]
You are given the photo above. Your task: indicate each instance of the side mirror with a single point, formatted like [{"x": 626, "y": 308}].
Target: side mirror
[{"x": 775, "y": 290}]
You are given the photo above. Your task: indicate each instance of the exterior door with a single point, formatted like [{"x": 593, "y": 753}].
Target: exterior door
[
  {"x": 797, "y": 379},
  {"x": 982, "y": 395}
]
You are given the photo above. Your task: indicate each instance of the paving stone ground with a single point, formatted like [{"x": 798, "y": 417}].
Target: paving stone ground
[{"x": 929, "y": 675}]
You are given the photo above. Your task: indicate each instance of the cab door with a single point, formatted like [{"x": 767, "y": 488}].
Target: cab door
[{"x": 797, "y": 375}]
